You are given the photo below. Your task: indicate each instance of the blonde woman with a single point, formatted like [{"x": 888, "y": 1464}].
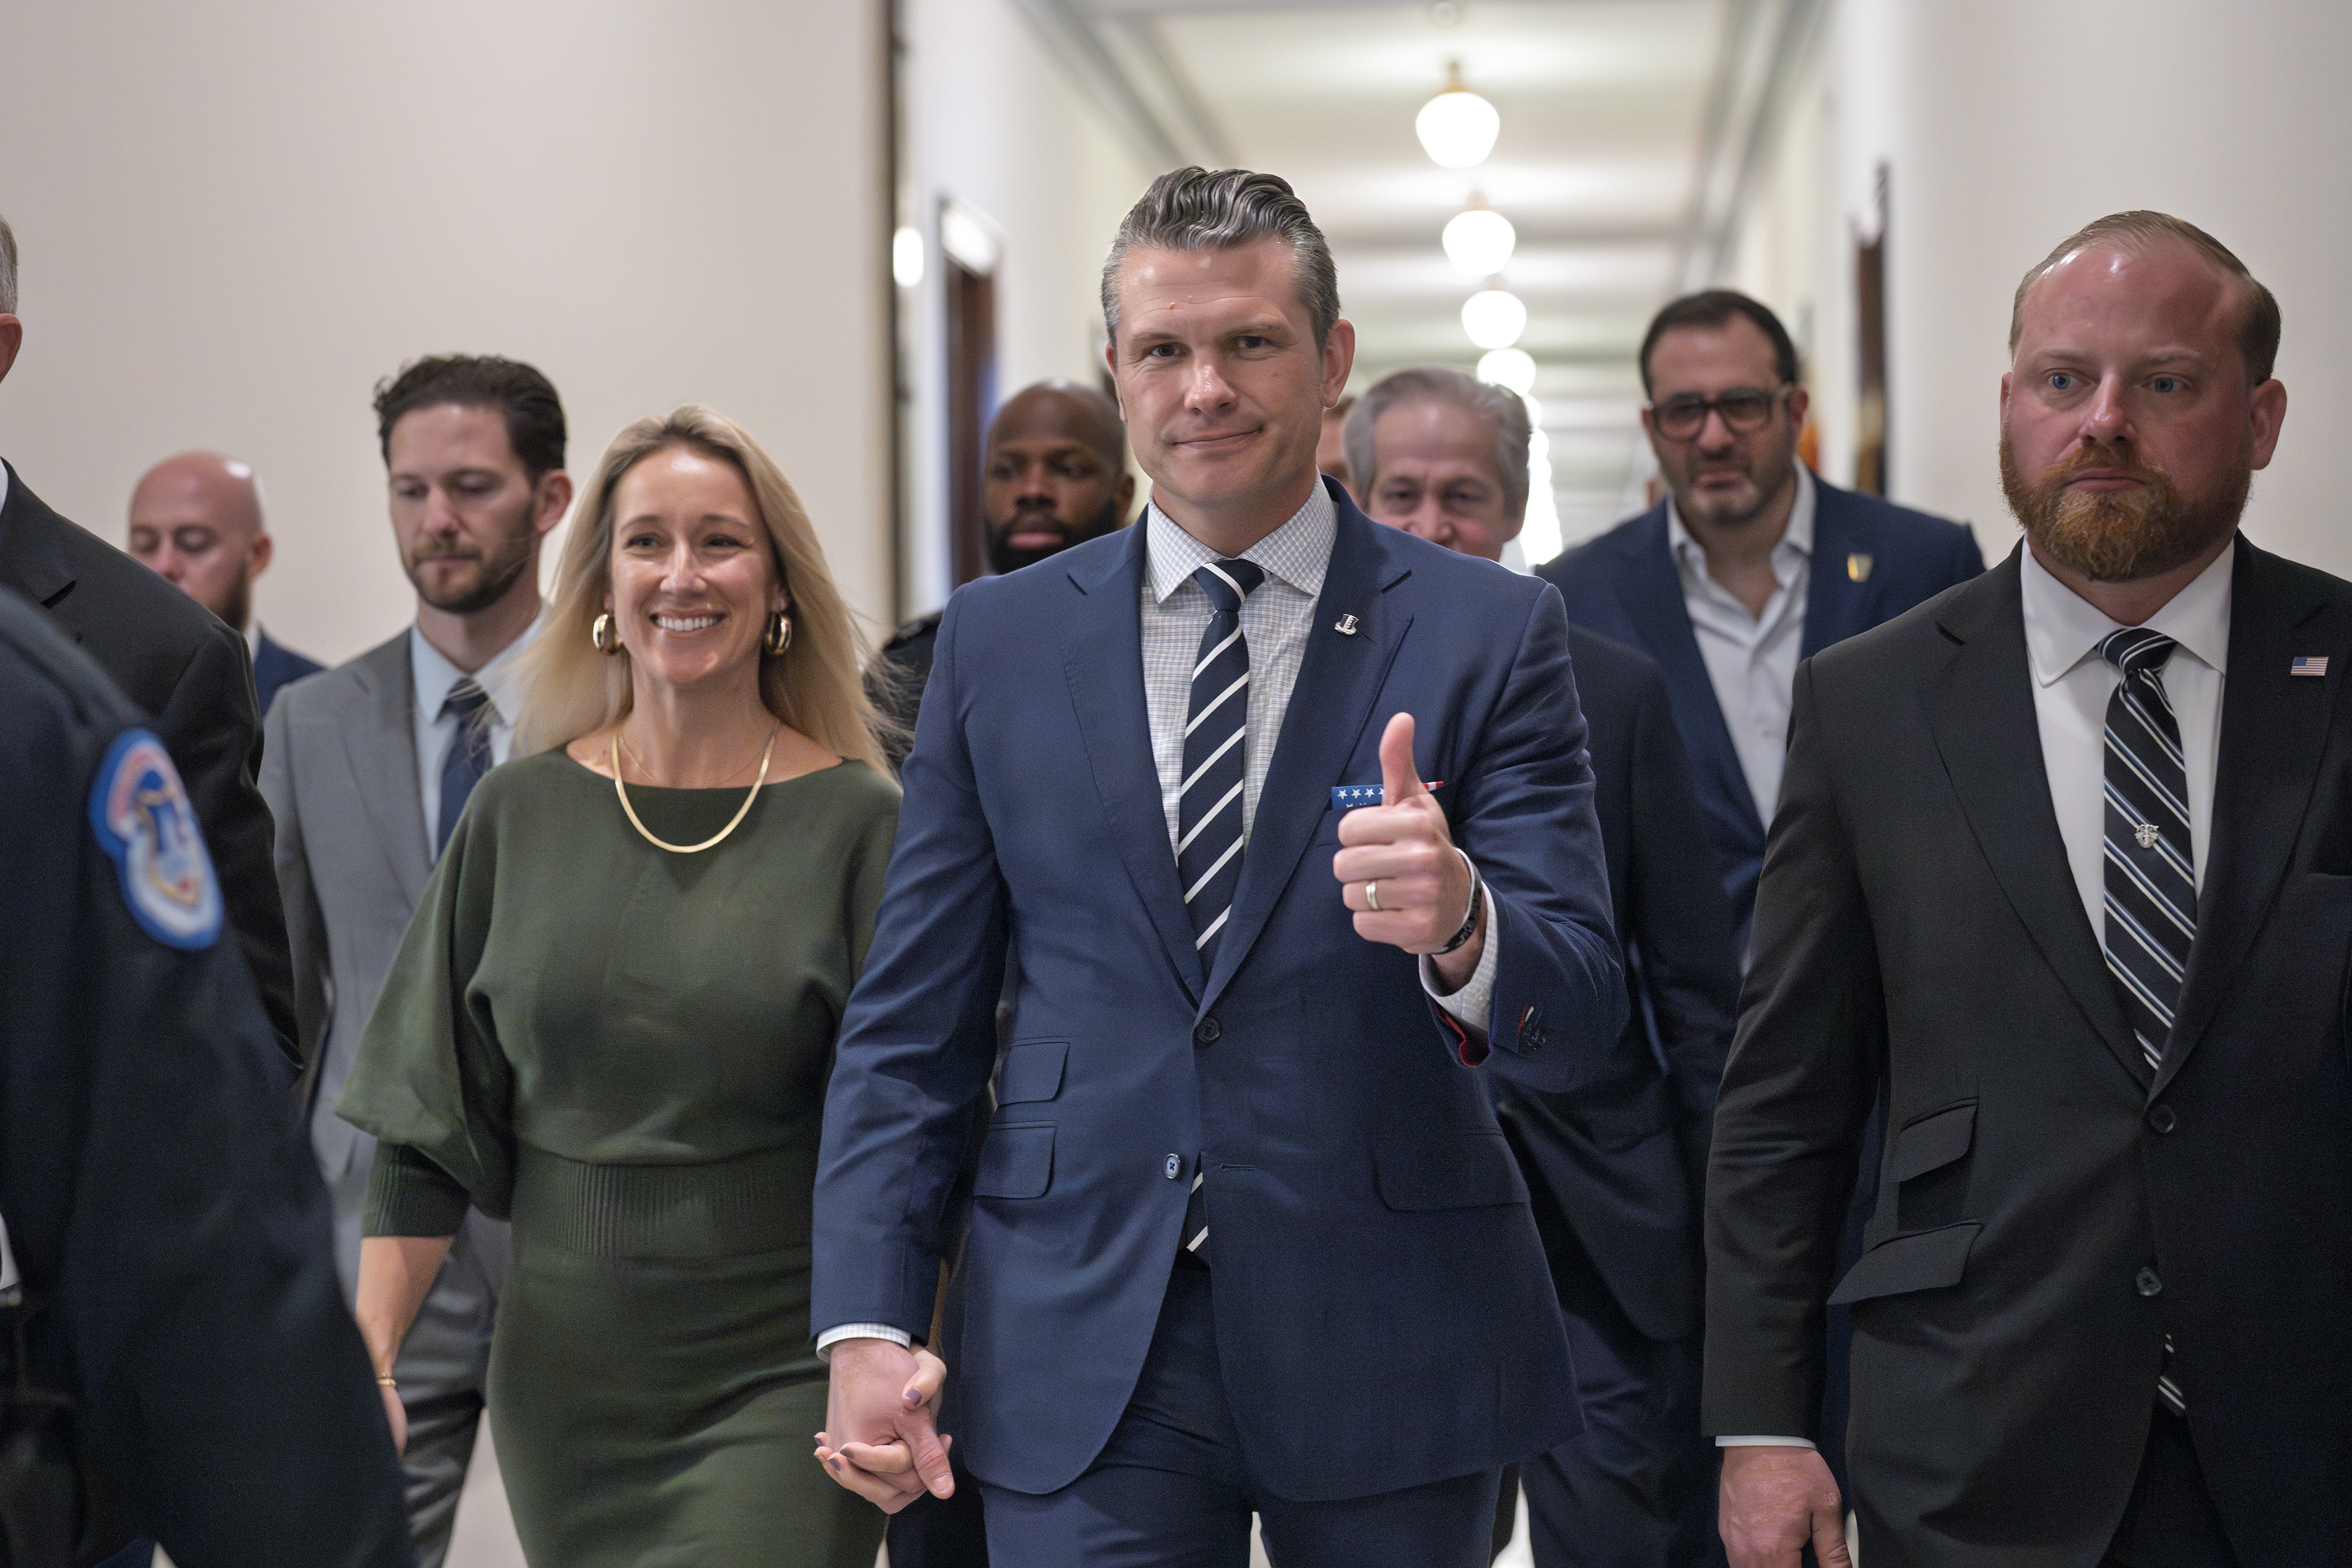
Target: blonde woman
[{"x": 613, "y": 1018}]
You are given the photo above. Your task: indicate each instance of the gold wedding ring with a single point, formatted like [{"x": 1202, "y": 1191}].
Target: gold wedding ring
[{"x": 1372, "y": 894}]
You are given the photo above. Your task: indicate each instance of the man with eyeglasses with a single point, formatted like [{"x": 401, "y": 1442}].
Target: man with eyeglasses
[{"x": 1750, "y": 565}]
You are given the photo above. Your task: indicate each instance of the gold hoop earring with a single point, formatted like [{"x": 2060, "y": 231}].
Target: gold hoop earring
[
  {"x": 779, "y": 633},
  {"x": 603, "y": 637}
]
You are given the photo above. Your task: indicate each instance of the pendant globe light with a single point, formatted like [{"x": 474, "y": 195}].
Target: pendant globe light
[
  {"x": 1479, "y": 240},
  {"x": 1457, "y": 128},
  {"x": 1493, "y": 318}
]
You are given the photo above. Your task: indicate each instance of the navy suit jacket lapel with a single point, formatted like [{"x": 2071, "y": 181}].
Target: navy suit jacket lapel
[
  {"x": 1980, "y": 709},
  {"x": 1650, "y": 586},
  {"x": 1331, "y": 706},
  {"x": 2274, "y": 730},
  {"x": 1103, "y": 644},
  {"x": 1837, "y": 605}
]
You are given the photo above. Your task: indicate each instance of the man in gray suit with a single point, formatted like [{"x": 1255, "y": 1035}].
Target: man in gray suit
[{"x": 367, "y": 767}]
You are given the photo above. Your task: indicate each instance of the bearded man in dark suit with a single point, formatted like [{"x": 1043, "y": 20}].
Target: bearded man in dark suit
[{"x": 2076, "y": 919}]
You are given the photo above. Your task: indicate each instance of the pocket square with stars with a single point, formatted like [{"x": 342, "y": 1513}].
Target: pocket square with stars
[{"x": 1348, "y": 798}]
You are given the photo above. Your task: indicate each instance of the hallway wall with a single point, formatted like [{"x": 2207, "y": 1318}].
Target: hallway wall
[
  {"x": 234, "y": 219},
  {"x": 2007, "y": 124},
  {"x": 994, "y": 121}
]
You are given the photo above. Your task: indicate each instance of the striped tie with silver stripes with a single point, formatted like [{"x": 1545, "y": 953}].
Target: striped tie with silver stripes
[
  {"x": 2151, "y": 892},
  {"x": 1209, "y": 803}
]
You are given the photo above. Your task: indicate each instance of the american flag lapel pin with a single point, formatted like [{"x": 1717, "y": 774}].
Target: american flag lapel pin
[
  {"x": 2308, "y": 664},
  {"x": 1346, "y": 627}
]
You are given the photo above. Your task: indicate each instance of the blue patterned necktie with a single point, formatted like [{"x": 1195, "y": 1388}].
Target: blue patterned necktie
[
  {"x": 468, "y": 756},
  {"x": 1209, "y": 803},
  {"x": 2151, "y": 869}
]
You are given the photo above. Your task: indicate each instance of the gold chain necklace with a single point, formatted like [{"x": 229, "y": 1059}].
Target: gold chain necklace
[{"x": 715, "y": 839}]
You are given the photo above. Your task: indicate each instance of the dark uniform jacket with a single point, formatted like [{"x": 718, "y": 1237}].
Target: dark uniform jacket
[
  {"x": 189, "y": 674},
  {"x": 157, "y": 1198}
]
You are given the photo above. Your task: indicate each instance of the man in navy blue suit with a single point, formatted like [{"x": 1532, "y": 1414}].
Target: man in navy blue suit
[
  {"x": 197, "y": 518},
  {"x": 1617, "y": 1168},
  {"x": 1750, "y": 565},
  {"x": 1290, "y": 816}
]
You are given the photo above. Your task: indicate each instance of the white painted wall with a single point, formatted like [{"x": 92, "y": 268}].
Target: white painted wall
[
  {"x": 237, "y": 218},
  {"x": 2008, "y": 124},
  {"x": 992, "y": 120}
]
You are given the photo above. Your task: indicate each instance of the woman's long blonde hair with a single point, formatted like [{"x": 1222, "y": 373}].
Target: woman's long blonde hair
[{"x": 814, "y": 686}]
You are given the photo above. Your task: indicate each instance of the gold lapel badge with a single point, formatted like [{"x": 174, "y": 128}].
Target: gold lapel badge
[{"x": 1857, "y": 568}]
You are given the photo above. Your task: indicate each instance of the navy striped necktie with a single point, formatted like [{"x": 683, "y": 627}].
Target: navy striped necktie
[
  {"x": 2151, "y": 878},
  {"x": 1209, "y": 803},
  {"x": 2151, "y": 868}
]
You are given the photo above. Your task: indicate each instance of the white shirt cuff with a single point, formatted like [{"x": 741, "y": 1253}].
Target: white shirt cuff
[
  {"x": 1764, "y": 1443},
  {"x": 1471, "y": 1004},
  {"x": 827, "y": 1340}
]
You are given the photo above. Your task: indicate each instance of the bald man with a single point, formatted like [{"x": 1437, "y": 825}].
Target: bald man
[
  {"x": 197, "y": 518},
  {"x": 1055, "y": 475}
]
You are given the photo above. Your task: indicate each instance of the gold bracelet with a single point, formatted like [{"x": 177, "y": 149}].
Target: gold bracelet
[{"x": 384, "y": 1381}]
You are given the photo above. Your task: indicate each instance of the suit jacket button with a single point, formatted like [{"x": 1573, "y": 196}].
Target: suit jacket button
[
  {"x": 2148, "y": 1282},
  {"x": 1206, "y": 1031},
  {"x": 2162, "y": 1120},
  {"x": 1175, "y": 1167}
]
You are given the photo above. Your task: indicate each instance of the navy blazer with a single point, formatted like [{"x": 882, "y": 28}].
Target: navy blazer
[
  {"x": 1871, "y": 561},
  {"x": 275, "y": 665},
  {"x": 1618, "y": 1168},
  {"x": 1383, "y": 1314}
]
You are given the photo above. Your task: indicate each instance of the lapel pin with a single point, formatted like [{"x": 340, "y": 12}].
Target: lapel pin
[
  {"x": 2308, "y": 664},
  {"x": 2148, "y": 834},
  {"x": 1346, "y": 627},
  {"x": 1857, "y": 568}
]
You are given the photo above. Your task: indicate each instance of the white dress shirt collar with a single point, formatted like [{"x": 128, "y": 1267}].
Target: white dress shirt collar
[
  {"x": 2062, "y": 628},
  {"x": 1299, "y": 552}
]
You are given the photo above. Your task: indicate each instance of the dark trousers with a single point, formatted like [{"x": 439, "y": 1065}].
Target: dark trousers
[
  {"x": 943, "y": 1533},
  {"x": 2171, "y": 1521},
  {"x": 1171, "y": 1489}
]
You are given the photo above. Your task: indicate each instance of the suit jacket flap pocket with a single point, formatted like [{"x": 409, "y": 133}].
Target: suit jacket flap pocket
[
  {"x": 1016, "y": 1163},
  {"x": 1032, "y": 1070},
  {"x": 1927, "y": 1261},
  {"x": 1932, "y": 1140},
  {"x": 1469, "y": 1170}
]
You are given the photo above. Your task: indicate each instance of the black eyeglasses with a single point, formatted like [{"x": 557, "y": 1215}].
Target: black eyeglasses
[{"x": 1744, "y": 408}]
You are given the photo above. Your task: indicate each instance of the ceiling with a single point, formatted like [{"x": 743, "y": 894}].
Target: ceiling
[{"x": 1630, "y": 130}]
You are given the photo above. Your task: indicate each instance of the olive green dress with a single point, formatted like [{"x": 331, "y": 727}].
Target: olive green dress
[{"x": 626, "y": 1050}]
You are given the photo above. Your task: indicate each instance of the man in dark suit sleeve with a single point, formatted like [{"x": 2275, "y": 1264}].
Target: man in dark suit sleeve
[
  {"x": 1749, "y": 563},
  {"x": 177, "y": 1272},
  {"x": 1616, "y": 1168},
  {"x": 2075, "y": 916},
  {"x": 176, "y": 661},
  {"x": 1245, "y": 1235}
]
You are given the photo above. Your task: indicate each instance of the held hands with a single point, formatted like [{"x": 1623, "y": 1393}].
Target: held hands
[
  {"x": 1775, "y": 1500},
  {"x": 880, "y": 1439},
  {"x": 1398, "y": 869}
]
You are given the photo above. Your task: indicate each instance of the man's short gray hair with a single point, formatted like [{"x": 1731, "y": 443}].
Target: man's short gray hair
[
  {"x": 1196, "y": 209},
  {"x": 8, "y": 269},
  {"x": 1504, "y": 411}
]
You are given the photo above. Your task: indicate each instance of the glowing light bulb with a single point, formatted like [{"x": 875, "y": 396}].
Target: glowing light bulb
[
  {"x": 906, "y": 256},
  {"x": 1457, "y": 128},
  {"x": 1493, "y": 318},
  {"x": 1479, "y": 241},
  {"x": 1512, "y": 368}
]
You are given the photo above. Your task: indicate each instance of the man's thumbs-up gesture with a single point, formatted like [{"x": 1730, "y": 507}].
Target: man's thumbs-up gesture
[{"x": 1399, "y": 872}]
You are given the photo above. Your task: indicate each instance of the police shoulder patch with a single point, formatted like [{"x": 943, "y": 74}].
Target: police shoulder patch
[{"x": 141, "y": 813}]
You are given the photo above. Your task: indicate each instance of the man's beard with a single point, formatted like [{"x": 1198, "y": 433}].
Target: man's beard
[
  {"x": 1003, "y": 557},
  {"x": 2121, "y": 536},
  {"x": 236, "y": 607},
  {"x": 496, "y": 571}
]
